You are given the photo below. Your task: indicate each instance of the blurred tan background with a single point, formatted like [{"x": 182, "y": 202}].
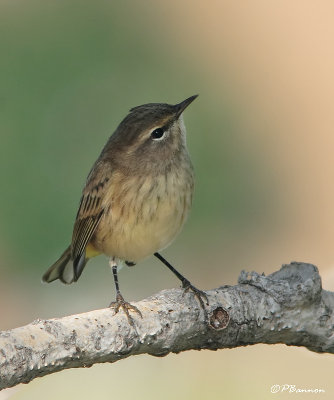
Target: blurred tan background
[{"x": 261, "y": 138}]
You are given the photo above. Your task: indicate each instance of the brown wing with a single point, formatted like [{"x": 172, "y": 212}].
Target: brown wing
[{"x": 89, "y": 214}]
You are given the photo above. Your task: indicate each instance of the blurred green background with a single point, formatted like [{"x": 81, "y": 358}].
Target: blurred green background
[{"x": 260, "y": 136}]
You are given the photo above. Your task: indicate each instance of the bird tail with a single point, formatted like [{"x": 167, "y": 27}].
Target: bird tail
[{"x": 64, "y": 270}]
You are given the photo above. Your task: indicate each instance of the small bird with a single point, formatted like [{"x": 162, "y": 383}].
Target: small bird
[{"x": 136, "y": 198}]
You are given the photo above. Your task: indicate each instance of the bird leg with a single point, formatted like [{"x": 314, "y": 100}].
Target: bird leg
[
  {"x": 120, "y": 302},
  {"x": 199, "y": 294}
]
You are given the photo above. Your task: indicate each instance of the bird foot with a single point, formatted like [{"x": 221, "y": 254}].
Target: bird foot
[
  {"x": 125, "y": 306},
  {"x": 199, "y": 294}
]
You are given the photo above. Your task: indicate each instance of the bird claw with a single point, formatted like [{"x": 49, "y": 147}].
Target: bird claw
[
  {"x": 199, "y": 294},
  {"x": 125, "y": 306}
]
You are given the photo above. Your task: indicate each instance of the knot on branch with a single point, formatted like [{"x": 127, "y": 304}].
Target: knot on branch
[
  {"x": 293, "y": 285},
  {"x": 219, "y": 319}
]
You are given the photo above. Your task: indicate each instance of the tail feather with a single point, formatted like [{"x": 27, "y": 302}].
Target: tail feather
[
  {"x": 65, "y": 269},
  {"x": 78, "y": 266},
  {"x": 62, "y": 269}
]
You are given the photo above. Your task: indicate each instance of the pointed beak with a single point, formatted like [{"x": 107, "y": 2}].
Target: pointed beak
[{"x": 184, "y": 104}]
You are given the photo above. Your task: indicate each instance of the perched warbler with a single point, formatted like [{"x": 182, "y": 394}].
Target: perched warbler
[{"x": 136, "y": 198}]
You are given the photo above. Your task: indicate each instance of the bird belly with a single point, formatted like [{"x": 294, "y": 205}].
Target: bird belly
[{"x": 136, "y": 229}]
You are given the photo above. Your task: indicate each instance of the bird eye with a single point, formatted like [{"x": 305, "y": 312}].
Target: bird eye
[{"x": 157, "y": 134}]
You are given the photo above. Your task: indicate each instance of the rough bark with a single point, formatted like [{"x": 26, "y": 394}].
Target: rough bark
[{"x": 288, "y": 306}]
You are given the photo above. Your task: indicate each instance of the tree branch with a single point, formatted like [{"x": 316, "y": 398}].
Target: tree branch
[{"x": 288, "y": 306}]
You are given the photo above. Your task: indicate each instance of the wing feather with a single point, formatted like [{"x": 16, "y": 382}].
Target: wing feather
[{"x": 89, "y": 213}]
